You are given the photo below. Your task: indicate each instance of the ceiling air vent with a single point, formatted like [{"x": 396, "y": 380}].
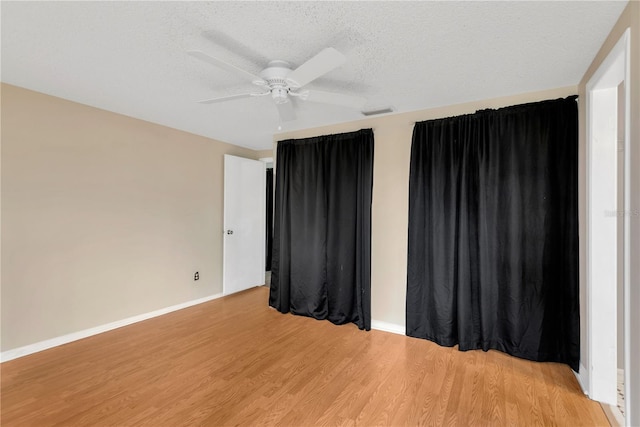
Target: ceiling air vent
[{"x": 378, "y": 111}]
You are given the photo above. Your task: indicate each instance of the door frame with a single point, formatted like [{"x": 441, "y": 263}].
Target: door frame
[{"x": 615, "y": 69}]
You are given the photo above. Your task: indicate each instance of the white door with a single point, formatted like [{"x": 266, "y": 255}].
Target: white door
[{"x": 244, "y": 224}]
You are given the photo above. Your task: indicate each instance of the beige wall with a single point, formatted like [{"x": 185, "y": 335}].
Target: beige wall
[
  {"x": 263, "y": 154},
  {"x": 103, "y": 216},
  {"x": 392, "y": 135},
  {"x": 630, "y": 18}
]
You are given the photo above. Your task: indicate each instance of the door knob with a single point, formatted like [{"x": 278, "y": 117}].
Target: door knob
[{"x": 229, "y": 231}]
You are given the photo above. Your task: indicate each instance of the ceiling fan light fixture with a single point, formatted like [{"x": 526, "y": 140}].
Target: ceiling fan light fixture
[{"x": 279, "y": 95}]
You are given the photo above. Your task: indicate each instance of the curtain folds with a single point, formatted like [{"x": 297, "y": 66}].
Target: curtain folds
[
  {"x": 493, "y": 232},
  {"x": 321, "y": 261}
]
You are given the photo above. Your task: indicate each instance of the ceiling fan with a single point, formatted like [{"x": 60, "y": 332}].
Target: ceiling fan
[{"x": 280, "y": 81}]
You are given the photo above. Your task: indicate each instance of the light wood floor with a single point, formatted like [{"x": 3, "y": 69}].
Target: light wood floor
[{"x": 235, "y": 361}]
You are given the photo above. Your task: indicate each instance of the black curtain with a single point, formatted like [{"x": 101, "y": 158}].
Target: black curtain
[
  {"x": 321, "y": 264},
  {"x": 269, "y": 219},
  {"x": 493, "y": 232}
]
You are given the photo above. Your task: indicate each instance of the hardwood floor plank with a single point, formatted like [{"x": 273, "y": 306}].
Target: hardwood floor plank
[{"x": 235, "y": 361}]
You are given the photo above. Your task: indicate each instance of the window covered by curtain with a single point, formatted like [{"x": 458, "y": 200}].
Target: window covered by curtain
[
  {"x": 321, "y": 265},
  {"x": 493, "y": 231}
]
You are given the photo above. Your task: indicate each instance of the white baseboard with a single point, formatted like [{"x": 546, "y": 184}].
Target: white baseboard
[
  {"x": 581, "y": 376},
  {"x": 388, "y": 327},
  {"x": 15, "y": 353}
]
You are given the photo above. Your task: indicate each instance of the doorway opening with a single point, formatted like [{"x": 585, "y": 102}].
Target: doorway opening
[
  {"x": 243, "y": 218},
  {"x": 608, "y": 230},
  {"x": 269, "y": 180}
]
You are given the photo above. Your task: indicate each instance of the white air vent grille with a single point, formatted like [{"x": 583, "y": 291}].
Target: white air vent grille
[{"x": 378, "y": 111}]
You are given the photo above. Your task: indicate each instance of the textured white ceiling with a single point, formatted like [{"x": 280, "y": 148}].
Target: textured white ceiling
[{"x": 130, "y": 57}]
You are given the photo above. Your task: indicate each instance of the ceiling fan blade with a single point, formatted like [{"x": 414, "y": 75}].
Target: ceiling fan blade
[
  {"x": 334, "y": 98},
  {"x": 228, "y": 43},
  {"x": 225, "y": 66},
  {"x": 286, "y": 111},
  {"x": 226, "y": 98},
  {"x": 325, "y": 61}
]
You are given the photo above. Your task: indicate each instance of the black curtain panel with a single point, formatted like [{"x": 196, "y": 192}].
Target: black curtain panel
[
  {"x": 493, "y": 232},
  {"x": 269, "y": 218},
  {"x": 321, "y": 264}
]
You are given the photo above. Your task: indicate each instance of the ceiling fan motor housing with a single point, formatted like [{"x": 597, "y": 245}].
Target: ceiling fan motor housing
[{"x": 275, "y": 75}]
